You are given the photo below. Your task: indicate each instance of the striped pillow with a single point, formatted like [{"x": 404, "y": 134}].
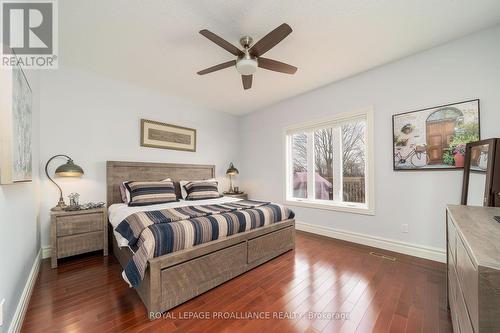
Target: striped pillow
[
  {"x": 150, "y": 193},
  {"x": 201, "y": 190}
]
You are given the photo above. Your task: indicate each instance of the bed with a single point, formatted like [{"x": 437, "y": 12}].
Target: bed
[{"x": 177, "y": 277}]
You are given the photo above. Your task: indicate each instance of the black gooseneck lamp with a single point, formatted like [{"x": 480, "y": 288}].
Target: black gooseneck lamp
[
  {"x": 68, "y": 169},
  {"x": 231, "y": 171}
]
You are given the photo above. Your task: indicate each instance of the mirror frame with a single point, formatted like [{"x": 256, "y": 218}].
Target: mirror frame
[
  {"x": 489, "y": 198},
  {"x": 495, "y": 190}
]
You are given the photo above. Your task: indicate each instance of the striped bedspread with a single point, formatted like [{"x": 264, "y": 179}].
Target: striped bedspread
[{"x": 155, "y": 233}]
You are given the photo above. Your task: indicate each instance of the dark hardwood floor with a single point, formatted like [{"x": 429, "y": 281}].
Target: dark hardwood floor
[{"x": 308, "y": 289}]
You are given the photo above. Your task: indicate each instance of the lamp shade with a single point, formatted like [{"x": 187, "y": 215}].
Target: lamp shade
[
  {"x": 69, "y": 169},
  {"x": 232, "y": 170}
]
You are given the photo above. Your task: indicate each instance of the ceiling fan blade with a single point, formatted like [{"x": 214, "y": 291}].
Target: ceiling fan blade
[
  {"x": 247, "y": 81},
  {"x": 221, "y": 42},
  {"x": 270, "y": 40},
  {"x": 276, "y": 66},
  {"x": 217, "y": 67}
]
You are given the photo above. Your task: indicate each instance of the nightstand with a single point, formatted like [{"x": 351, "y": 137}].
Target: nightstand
[
  {"x": 78, "y": 232},
  {"x": 243, "y": 195}
]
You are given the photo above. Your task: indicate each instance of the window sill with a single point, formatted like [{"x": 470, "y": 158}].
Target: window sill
[{"x": 347, "y": 208}]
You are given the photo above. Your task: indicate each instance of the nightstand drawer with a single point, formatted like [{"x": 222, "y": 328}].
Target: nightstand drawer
[
  {"x": 77, "y": 244},
  {"x": 78, "y": 224},
  {"x": 243, "y": 196}
]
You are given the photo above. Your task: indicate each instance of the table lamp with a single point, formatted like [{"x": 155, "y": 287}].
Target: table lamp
[
  {"x": 69, "y": 169},
  {"x": 231, "y": 171}
]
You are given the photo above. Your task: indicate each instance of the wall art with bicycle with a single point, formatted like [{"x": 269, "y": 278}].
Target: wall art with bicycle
[{"x": 435, "y": 138}]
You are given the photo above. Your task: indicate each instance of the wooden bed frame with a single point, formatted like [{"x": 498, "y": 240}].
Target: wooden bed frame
[{"x": 177, "y": 277}]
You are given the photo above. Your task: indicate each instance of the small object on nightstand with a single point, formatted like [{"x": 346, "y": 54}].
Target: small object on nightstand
[
  {"x": 89, "y": 205},
  {"x": 77, "y": 232},
  {"x": 240, "y": 195},
  {"x": 497, "y": 218},
  {"x": 73, "y": 199}
]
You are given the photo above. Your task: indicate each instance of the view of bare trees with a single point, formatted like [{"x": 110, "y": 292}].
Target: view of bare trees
[
  {"x": 323, "y": 153},
  {"x": 353, "y": 159},
  {"x": 299, "y": 152},
  {"x": 299, "y": 156},
  {"x": 353, "y": 149}
]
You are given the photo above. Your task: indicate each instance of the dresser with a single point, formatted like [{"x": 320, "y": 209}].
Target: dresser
[
  {"x": 77, "y": 232},
  {"x": 473, "y": 261}
]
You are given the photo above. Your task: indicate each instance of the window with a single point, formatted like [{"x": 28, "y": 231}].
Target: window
[{"x": 329, "y": 163}]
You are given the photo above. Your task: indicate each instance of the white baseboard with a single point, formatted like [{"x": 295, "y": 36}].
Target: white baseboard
[
  {"x": 424, "y": 252},
  {"x": 46, "y": 252},
  {"x": 18, "y": 318}
]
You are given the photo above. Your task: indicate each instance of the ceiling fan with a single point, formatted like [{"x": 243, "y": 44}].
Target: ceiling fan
[{"x": 250, "y": 57}]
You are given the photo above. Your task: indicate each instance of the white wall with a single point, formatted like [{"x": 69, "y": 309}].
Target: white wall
[
  {"x": 94, "y": 119},
  {"x": 19, "y": 224},
  {"x": 464, "y": 69}
]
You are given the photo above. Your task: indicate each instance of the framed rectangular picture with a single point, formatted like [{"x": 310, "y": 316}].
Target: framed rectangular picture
[
  {"x": 155, "y": 134},
  {"x": 435, "y": 138},
  {"x": 15, "y": 127}
]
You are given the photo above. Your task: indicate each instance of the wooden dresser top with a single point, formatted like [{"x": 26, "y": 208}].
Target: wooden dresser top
[{"x": 480, "y": 231}]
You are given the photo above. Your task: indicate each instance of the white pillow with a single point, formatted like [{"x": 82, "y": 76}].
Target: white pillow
[
  {"x": 128, "y": 192},
  {"x": 184, "y": 182}
]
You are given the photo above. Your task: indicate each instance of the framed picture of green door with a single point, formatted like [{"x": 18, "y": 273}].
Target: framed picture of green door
[{"x": 435, "y": 138}]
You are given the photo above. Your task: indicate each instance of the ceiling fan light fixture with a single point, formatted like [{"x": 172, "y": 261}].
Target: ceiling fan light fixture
[
  {"x": 250, "y": 57},
  {"x": 246, "y": 66}
]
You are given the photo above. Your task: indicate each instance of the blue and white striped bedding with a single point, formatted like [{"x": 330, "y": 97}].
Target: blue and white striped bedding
[{"x": 153, "y": 233}]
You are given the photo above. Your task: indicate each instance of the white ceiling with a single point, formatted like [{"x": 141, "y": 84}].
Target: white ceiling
[{"x": 155, "y": 43}]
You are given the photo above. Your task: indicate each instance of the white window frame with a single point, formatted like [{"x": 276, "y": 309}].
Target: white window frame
[{"x": 367, "y": 208}]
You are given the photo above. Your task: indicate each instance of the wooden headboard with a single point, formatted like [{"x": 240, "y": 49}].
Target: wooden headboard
[{"x": 118, "y": 172}]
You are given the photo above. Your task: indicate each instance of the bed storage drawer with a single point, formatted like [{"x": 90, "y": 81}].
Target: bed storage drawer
[
  {"x": 186, "y": 280},
  {"x": 265, "y": 247}
]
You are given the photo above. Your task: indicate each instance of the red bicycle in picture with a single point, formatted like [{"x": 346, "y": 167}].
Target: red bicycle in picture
[{"x": 417, "y": 156}]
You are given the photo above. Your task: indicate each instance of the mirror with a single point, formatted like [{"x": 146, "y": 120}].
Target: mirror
[
  {"x": 477, "y": 184},
  {"x": 477, "y": 175}
]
